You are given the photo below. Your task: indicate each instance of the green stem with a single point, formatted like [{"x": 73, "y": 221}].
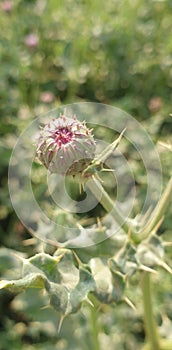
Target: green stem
[
  {"x": 97, "y": 189},
  {"x": 150, "y": 325},
  {"x": 159, "y": 211},
  {"x": 94, "y": 329}
]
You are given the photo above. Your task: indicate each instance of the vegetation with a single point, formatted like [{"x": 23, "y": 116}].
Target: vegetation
[{"x": 55, "y": 54}]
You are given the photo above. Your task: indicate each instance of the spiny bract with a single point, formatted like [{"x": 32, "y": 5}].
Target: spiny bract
[{"x": 66, "y": 146}]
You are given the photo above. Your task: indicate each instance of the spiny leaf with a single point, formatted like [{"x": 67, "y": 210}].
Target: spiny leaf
[
  {"x": 109, "y": 284},
  {"x": 118, "y": 280},
  {"x": 42, "y": 263},
  {"x": 106, "y": 153},
  {"x": 125, "y": 260},
  {"x": 102, "y": 277},
  {"x": 85, "y": 285},
  {"x": 59, "y": 297},
  {"x": 68, "y": 272},
  {"x": 32, "y": 280},
  {"x": 150, "y": 253}
]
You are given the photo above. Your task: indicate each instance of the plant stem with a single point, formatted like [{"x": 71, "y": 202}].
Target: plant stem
[
  {"x": 150, "y": 325},
  {"x": 97, "y": 189},
  {"x": 94, "y": 328},
  {"x": 159, "y": 210}
]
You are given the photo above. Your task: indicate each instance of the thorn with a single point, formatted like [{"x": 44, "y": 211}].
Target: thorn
[
  {"x": 107, "y": 170},
  {"x": 123, "y": 131},
  {"x": 18, "y": 256},
  {"x": 77, "y": 258},
  {"x": 45, "y": 240},
  {"x": 166, "y": 267},
  {"x": 79, "y": 226},
  {"x": 30, "y": 241},
  {"x": 42, "y": 247},
  {"x": 87, "y": 300},
  {"x": 129, "y": 233},
  {"x": 146, "y": 215},
  {"x": 59, "y": 257},
  {"x": 158, "y": 224},
  {"x": 98, "y": 178},
  {"x": 99, "y": 223},
  {"x": 167, "y": 244},
  {"x": 165, "y": 145},
  {"x": 46, "y": 307},
  {"x": 60, "y": 323},
  {"x": 129, "y": 303},
  {"x": 147, "y": 269}
]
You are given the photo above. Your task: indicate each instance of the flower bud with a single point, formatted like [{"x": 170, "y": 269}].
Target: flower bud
[{"x": 66, "y": 146}]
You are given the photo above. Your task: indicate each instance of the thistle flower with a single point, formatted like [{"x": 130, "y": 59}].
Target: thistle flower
[
  {"x": 66, "y": 146},
  {"x": 6, "y": 6},
  {"x": 32, "y": 40},
  {"x": 47, "y": 97},
  {"x": 155, "y": 104}
]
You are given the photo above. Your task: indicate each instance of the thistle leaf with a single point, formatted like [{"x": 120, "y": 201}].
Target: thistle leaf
[{"x": 32, "y": 280}]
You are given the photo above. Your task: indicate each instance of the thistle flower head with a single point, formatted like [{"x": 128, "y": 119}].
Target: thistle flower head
[
  {"x": 6, "y": 6},
  {"x": 66, "y": 146},
  {"x": 32, "y": 40}
]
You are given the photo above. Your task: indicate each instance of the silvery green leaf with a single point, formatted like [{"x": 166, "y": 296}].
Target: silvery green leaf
[{"x": 32, "y": 280}]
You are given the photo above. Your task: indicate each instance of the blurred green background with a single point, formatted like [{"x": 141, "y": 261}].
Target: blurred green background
[{"x": 57, "y": 52}]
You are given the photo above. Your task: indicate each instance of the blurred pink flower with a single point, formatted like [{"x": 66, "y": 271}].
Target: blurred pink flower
[
  {"x": 6, "y": 6},
  {"x": 32, "y": 40},
  {"x": 155, "y": 104},
  {"x": 47, "y": 97}
]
